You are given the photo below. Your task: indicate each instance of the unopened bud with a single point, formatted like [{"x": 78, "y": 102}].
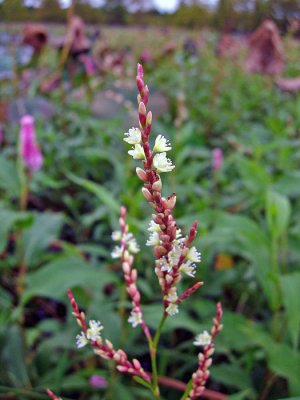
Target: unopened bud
[
  {"x": 157, "y": 185},
  {"x": 140, "y": 71},
  {"x": 141, "y": 174},
  {"x": 147, "y": 194},
  {"x": 146, "y": 95},
  {"x": 140, "y": 84},
  {"x": 149, "y": 119},
  {"x": 159, "y": 251},
  {"x": 171, "y": 201},
  {"x": 136, "y": 363},
  {"x": 142, "y": 114}
]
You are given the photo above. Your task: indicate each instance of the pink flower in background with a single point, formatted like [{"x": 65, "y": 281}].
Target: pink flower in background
[
  {"x": 30, "y": 151},
  {"x": 217, "y": 159},
  {"x": 98, "y": 382}
]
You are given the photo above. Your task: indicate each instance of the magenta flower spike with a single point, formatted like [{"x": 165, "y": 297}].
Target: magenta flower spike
[
  {"x": 30, "y": 152},
  {"x": 217, "y": 159}
]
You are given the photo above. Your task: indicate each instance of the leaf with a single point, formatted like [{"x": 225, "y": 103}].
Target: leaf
[
  {"x": 232, "y": 375},
  {"x": 243, "y": 236},
  {"x": 278, "y": 212},
  {"x": 13, "y": 357},
  {"x": 100, "y": 191},
  {"x": 282, "y": 359},
  {"x": 57, "y": 276},
  {"x": 37, "y": 238},
  {"x": 8, "y": 219},
  {"x": 9, "y": 178},
  {"x": 246, "y": 394},
  {"x": 290, "y": 285}
]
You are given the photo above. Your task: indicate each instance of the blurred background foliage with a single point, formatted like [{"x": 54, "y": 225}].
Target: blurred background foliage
[{"x": 239, "y": 15}]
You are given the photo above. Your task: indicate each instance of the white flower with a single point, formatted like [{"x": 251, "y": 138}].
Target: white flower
[
  {"x": 137, "y": 152},
  {"x": 135, "y": 318},
  {"x": 203, "y": 339},
  {"x": 93, "y": 333},
  {"x": 172, "y": 295},
  {"x": 153, "y": 227},
  {"x": 117, "y": 252},
  {"x": 175, "y": 254},
  {"x": 194, "y": 255},
  {"x": 153, "y": 240},
  {"x": 172, "y": 309},
  {"x": 164, "y": 265},
  {"x": 116, "y": 236},
  {"x": 133, "y": 247},
  {"x": 134, "y": 136},
  {"x": 81, "y": 340},
  {"x": 161, "y": 144},
  {"x": 162, "y": 163},
  {"x": 188, "y": 268},
  {"x": 128, "y": 236},
  {"x": 178, "y": 233}
]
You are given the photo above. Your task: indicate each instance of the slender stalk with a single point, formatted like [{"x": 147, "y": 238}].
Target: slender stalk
[
  {"x": 153, "y": 353},
  {"x": 26, "y": 180}
]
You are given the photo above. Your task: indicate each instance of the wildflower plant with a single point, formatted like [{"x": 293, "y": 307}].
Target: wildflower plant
[{"x": 175, "y": 257}]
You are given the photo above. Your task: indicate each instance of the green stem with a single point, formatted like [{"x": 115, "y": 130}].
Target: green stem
[
  {"x": 153, "y": 352},
  {"x": 187, "y": 390}
]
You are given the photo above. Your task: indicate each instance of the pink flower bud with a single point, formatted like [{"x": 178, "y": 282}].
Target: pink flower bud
[
  {"x": 140, "y": 84},
  {"x": 30, "y": 152},
  {"x": 136, "y": 363},
  {"x": 171, "y": 201},
  {"x": 159, "y": 251},
  {"x": 140, "y": 71},
  {"x": 217, "y": 160},
  {"x": 141, "y": 174},
  {"x": 149, "y": 119},
  {"x": 147, "y": 194},
  {"x": 157, "y": 185}
]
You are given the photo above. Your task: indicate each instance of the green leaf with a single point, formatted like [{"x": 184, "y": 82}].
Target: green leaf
[
  {"x": 290, "y": 285},
  {"x": 232, "y": 375},
  {"x": 278, "y": 212},
  {"x": 54, "y": 279},
  {"x": 100, "y": 191},
  {"x": 9, "y": 178},
  {"x": 39, "y": 236},
  {"x": 282, "y": 359},
  {"x": 13, "y": 357},
  {"x": 8, "y": 219},
  {"x": 142, "y": 382}
]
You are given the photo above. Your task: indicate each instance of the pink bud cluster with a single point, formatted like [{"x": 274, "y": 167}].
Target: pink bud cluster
[
  {"x": 105, "y": 348},
  {"x": 30, "y": 152},
  {"x": 199, "y": 378},
  {"x": 130, "y": 276},
  {"x": 162, "y": 206}
]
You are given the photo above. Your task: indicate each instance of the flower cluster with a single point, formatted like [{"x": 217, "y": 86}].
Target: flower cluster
[
  {"x": 175, "y": 257},
  {"x": 206, "y": 340},
  {"x": 92, "y": 334},
  {"x": 128, "y": 247},
  {"x": 30, "y": 151},
  {"x": 174, "y": 254}
]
